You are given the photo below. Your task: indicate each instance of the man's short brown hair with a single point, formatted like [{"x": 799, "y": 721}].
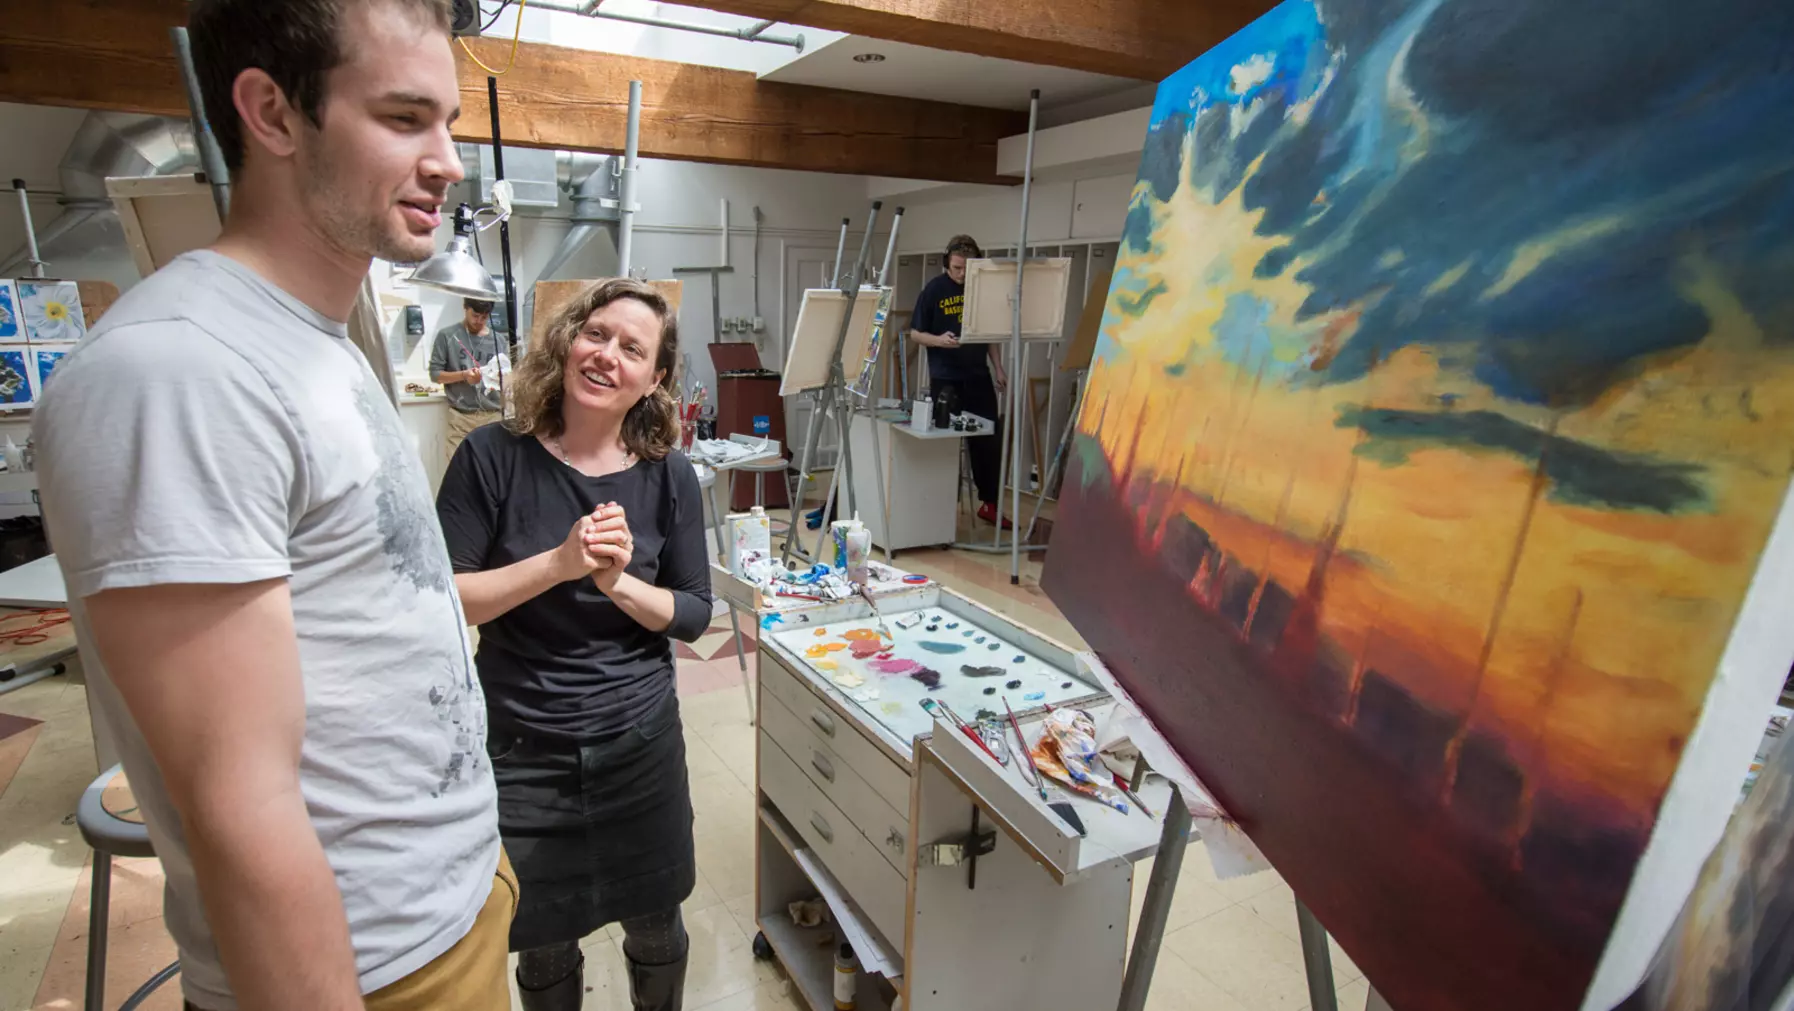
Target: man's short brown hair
[
  {"x": 296, "y": 42},
  {"x": 963, "y": 245}
]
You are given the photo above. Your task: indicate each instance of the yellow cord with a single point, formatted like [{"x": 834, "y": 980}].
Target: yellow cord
[{"x": 514, "y": 37}]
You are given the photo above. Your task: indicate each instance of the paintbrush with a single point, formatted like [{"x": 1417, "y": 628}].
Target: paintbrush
[
  {"x": 1121, "y": 784},
  {"x": 1022, "y": 743},
  {"x": 930, "y": 705},
  {"x": 883, "y": 629}
]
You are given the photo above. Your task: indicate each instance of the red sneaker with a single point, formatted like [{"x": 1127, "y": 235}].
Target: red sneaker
[{"x": 988, "y": 513}]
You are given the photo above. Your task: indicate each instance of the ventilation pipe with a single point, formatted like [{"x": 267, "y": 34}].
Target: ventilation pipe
[
  {"x": 587, "y": 178},
  {"x": 107, "y": 144}
]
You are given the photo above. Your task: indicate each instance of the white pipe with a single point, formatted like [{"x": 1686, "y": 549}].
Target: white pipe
[
  {"x": 752, "y": 33},
  {"x": 626, "y": 186},
  {"x": 884, "y": 270},
  {"x": 31, "y": 252},
  {"x": 724, "y": 201}
]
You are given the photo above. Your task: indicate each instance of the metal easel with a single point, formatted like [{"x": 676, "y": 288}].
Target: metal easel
[
  {"x": 1161, "y": 888},
  {"x": 1018, "y": 363},
  {"x": 834, "y": 400},
  {"x": 1057, "y": 464}
]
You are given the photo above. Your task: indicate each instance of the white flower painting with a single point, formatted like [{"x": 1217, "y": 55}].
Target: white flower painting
[
  {"x": 9, "y": 314},
  {"x": 52, "y": 311}
]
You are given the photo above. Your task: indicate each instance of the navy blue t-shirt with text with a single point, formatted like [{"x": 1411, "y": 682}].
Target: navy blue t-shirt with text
[{"x": 939, "y": 309}]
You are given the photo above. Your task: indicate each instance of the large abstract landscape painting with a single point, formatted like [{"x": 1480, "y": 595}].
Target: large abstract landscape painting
[{"x": 1441, "y": 415}]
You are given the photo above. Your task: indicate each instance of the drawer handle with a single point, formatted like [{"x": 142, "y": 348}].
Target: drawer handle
[
  {"x": 823, "y": 722},
  {"x": 823, "y": 766},
  {"x": 821, "y": 827}
]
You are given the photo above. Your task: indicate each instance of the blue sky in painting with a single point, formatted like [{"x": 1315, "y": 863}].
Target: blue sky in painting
[
  {"x": 1280, "y": 53},
  {"x": 1533, "y": 185}
]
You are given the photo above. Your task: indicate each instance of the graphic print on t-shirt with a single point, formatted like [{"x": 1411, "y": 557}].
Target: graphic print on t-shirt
[
  {"x": 412, "y": 543},
  {"x": 953, "y": 307},
  {"x": 407, "y": 517}
]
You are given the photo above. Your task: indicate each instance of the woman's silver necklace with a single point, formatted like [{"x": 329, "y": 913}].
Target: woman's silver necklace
[{"x": 560, "y": 450}]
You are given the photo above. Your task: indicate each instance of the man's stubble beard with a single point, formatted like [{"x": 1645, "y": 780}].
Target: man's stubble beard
[{"x": 377, "y": 235}]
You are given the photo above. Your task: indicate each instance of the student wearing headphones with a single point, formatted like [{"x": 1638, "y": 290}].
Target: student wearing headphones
[{"x": 967, "y": 371}]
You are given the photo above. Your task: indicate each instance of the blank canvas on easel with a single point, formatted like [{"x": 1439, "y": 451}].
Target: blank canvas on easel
[
  {"x": 813, "y": 341},
  {"x": 990, "y": 287}
]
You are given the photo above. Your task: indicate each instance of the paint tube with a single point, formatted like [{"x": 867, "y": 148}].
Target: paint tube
[{"x": 1067, "y": 753}]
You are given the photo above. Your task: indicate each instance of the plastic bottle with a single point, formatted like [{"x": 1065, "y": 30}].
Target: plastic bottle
[
  {"x": 859, "y": 552},
  {"x": 847, "y": 977}
]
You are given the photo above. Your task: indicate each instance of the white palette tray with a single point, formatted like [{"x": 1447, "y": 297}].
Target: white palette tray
[{"x": 953, "y": 634}]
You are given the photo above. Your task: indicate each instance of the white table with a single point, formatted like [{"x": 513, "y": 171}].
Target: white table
[
  {"x": 921, "y": 481},
  {"x": 34, "y": 584}
]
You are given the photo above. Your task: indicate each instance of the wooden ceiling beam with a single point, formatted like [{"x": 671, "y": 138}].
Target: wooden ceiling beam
[
  {"x": 1144, "y": 39},
  {"x": 568, "y": 98},
  {"x": 116, "y": 55}
]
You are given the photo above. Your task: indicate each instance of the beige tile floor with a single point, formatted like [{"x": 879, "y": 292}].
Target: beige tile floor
[{"x": 1231, "y": 945}]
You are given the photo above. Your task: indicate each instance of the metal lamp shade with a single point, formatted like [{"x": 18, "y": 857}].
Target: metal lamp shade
[{"x": 454, "y": 270}]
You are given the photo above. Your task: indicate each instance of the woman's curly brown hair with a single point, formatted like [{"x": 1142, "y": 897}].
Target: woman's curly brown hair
[{"x": 651, "y": 428}]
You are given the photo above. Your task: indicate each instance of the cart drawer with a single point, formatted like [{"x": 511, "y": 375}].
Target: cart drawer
[
  {"x": 835, "y": 777},
  {"x": 870, "y": 881},
  {"x": 844, "y": 737}
]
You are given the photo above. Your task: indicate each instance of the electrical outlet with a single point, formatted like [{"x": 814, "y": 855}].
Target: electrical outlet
[{"x": 759, "y": 324}]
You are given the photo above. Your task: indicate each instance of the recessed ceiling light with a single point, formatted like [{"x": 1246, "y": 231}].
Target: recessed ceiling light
[{"x": 869, "y": 58}]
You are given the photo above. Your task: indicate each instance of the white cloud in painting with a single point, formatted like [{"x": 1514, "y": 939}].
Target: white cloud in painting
[{"x": 1250, "y": 74}]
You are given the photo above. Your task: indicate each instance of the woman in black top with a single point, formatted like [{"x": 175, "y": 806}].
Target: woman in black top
[{"x": 577, "y": 538}]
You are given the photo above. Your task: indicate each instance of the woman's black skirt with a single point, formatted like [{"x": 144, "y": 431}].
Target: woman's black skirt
[{"x": 598, "y": 832}]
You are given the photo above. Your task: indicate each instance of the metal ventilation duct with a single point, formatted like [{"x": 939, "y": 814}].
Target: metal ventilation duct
[
  {"x": 107, "y": 144},
  {"x": 589, "y": 179}
]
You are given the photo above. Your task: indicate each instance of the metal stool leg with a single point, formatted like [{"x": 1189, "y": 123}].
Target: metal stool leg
[
  {"x": 98, "y": 917},
  {"x": 143, "y": 992}
]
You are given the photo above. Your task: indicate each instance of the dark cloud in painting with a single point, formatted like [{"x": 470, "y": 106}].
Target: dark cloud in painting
[
  {"x": 1576, "y": 473},
  {"x": 1543, "y": 182}
]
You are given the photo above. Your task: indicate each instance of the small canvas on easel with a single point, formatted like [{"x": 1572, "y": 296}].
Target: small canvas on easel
[
  {"x": 818, "y": 327},
  {"x": 990, "y": 288}
]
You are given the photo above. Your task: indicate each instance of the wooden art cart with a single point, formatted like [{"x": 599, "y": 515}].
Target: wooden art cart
[{"x": 956, "y": 884}]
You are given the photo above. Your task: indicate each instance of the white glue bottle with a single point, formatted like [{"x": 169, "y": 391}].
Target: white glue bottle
[
  {"x": 859, "y": 551},
  {"x": 847, "y": 977}
]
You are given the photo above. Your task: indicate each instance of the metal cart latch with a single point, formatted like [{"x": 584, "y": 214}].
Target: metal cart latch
[{"x": 964, "y": 851}]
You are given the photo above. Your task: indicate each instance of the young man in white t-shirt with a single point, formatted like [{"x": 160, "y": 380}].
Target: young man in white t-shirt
[{"x": 261, "y": 591}]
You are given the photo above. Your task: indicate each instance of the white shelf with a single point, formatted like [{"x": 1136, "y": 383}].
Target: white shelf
[
  {"x": 852, "y": 918},
  {"x": 811, "y": 964},
  {"x": 807, "y": 958}
]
